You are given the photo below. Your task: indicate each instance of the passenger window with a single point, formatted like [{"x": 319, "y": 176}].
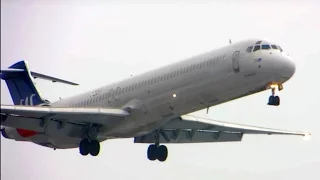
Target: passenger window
[
  {"x": 208, "y": 63},
  {"x": 274, "y": 47},
  {"x": 249, "y": 49},
  {"x": 256, "y": 48},
  {"x": 265, "y": 46}
]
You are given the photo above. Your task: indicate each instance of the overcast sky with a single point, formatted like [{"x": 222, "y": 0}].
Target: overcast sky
[{"x": 98, "y": 42}]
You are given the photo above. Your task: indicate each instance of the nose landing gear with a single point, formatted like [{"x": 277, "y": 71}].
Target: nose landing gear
[{"x": 273, "y": 99}]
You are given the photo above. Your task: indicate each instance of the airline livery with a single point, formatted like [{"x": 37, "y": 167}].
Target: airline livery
[{"x": 153, "y": 107}]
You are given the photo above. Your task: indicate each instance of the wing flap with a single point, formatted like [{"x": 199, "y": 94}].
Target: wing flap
[
  {"x": 188, "y": 136},
  {"x": 78, "y": 115},
  {"x": 193, "y": 129},
  {"x": 194, "y": 122}
]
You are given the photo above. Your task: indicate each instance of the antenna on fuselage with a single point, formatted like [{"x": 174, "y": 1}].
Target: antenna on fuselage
[{"x": 230, "y": 41}]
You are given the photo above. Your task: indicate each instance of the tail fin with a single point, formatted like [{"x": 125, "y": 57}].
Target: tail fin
[{"x": 23, "y": 91}]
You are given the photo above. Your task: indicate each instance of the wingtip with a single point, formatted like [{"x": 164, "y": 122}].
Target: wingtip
[{"x": 307, "y": 136}]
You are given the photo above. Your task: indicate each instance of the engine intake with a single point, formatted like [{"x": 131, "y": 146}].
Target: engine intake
[{"x": 4, "y": 117}]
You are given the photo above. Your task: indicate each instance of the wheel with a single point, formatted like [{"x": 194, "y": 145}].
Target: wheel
[
  {"x": 152, "y": 152},
  {"x": 94, "y": 147},
  {"x": 274, "y": 101},
  {"x": 277, "y": 100},
  {"x": 162, "y": 152},
  {"x": 271, "y": 100},
  {"x": 84, "y": 147}
]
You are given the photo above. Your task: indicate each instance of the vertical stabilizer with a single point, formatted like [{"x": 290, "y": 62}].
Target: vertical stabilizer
[{"x": 20, "y": 84}]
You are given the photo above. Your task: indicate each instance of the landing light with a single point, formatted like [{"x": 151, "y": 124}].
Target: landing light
[
  {"x": 307, "y": 137},
  {"x": 274, "y": 86},
  {"x": 174, "y": 95}
]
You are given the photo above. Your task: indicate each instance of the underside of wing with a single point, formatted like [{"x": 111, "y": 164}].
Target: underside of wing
[{"x": 193, "y": 129}]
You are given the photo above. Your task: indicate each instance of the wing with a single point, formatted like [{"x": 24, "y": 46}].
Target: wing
[
  {"x": 193, "y": 129},
  {"x": 30, "y": 117}
]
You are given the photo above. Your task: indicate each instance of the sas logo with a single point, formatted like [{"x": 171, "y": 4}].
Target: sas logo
[{"x": 28, "y": 101}]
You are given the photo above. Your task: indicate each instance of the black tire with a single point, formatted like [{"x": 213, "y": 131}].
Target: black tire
[
  {"x": 277, "y": 100},
  {"x": 162, "y": 152},
  {"x": 94, "y": 148},
  {"x": 152, "y": 152},
  {"x": 271, "y": 100},
  {"x": 84, "y": 147}
]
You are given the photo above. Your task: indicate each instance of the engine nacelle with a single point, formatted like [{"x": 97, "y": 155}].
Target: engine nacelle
[
  {"x": 4, "y": 117},
  {"x": 17, "y": 134}
]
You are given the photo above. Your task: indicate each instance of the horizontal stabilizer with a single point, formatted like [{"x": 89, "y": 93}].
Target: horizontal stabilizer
[
  {"x": 12, "y": 72},
  {"x": 53, "y": 79}
]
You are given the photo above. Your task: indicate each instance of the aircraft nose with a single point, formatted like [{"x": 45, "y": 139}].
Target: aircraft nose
[{"x": 289, "y": 67}]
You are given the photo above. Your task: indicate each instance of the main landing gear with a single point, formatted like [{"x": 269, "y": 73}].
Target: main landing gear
[
  {"x": 86, "y": 146},
  {"x": 90, "y": 145},
  {"x": 273, "y": 99},
  {"x": 156, "y": 151}
]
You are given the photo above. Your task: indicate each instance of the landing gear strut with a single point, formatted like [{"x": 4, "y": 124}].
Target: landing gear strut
[
  {"x": 273, "y": 99},
  {"x": 157, "y": 152}
]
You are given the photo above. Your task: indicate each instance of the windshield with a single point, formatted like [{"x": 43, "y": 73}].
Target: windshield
[{"x": 260, "y": 47}]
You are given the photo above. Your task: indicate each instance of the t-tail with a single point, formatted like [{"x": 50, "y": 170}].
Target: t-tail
[{"x": 20, "y": 83}]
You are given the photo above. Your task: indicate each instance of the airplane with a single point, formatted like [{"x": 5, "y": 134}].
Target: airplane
[{"x": 154, "y": 107}]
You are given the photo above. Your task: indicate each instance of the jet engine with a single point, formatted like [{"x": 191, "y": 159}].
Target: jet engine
[{"x": 16, "y": 134}]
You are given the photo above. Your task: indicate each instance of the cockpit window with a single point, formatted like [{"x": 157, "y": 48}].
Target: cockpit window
[
  {"x": 274, "y": 47},
  {"x": 256, "y": 48},
  {"x": 265, "y": 46},
  {"x": 249, "y": 49},
  {"x": 280, "y": 48}
]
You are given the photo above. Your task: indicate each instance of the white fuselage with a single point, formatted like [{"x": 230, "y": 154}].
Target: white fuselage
[
  {"x": 155, "y": 97},
  {"x": 186, "y": 86}
]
